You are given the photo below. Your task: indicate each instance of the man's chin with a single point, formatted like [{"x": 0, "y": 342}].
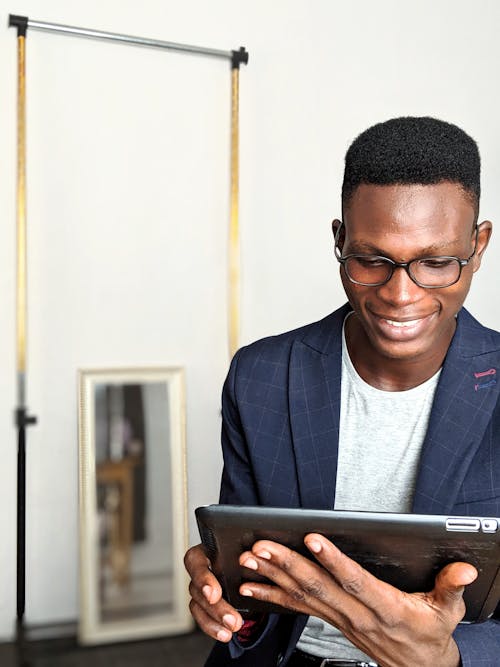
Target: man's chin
[
  {"x": 406, "y": 340},
  {"x": 414, "y": 351}
]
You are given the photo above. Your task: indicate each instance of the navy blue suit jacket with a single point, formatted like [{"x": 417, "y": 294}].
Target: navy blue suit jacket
[{"x": 281, "y": 409}]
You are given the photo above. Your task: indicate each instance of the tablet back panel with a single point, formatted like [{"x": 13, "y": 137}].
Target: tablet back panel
[{"x": 405, "y": 550}]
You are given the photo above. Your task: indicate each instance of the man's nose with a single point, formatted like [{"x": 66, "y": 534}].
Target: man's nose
[{"x": 400, "y": 290}]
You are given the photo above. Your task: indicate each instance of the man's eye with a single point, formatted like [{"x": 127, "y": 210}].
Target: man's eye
[
  {"x": 370, "y": 262},
  {"x": 437, "y": 262}
]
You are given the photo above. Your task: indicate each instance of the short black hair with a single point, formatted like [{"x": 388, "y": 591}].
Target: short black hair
[{"x": 413, "y": 150}]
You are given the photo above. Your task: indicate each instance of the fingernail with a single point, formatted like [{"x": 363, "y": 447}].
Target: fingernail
[
  {"x": 251, "y": 564},
  {"x": 264, "y": 554},
  {"x": 247, "y": 592},
  {"x": 207, "y": 591},
  {"x": 224, "y": 635},
  {"x": 314, "y": 546},
  {"x": 472, "y": 576},
  {"x": 229, "y": 621}
]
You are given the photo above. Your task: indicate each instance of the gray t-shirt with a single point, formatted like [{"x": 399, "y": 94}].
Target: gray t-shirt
[{"x": 380, "y": 441}]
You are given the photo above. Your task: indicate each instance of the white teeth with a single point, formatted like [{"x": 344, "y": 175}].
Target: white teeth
[{"x": 409, "y": 323}]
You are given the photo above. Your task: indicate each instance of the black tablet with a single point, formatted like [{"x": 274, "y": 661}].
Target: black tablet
[{"x": 405, "y": 550}]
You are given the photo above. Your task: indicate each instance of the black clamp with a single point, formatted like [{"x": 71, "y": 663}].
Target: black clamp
[
  {"x": 239, "y": 57},
  {"x": 19, "y": 22},
  {"x": 23, "y": 419}
]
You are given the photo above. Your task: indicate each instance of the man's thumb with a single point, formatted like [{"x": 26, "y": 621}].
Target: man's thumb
[{"x": 450, "y": 582}]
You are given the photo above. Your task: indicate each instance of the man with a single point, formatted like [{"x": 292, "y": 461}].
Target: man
[{"x": 389, "y": 404}]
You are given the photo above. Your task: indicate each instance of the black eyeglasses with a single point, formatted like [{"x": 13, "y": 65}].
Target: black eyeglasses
[{"x": 429, "y": 272}]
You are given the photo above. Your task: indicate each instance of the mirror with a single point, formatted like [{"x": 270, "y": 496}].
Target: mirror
[{"x": 133, "y": 510}]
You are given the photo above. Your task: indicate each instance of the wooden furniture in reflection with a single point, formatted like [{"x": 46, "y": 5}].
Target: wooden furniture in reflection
[{"x": 117, "y": 481}]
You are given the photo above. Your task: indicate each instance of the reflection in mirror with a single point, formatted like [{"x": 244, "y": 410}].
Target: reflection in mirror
[{"x": 133, "y": 504}]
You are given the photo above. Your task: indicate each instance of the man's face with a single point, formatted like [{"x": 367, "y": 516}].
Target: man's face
[{"x": 401, "y": 320}]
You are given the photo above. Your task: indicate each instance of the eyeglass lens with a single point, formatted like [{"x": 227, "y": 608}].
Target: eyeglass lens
[{"x": 430, "y": 272}]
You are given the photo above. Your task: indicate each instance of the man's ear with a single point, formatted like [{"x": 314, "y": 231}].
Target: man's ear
[
  {"x": 483, "y": 238},
  {"x": 338, "y": 231}
]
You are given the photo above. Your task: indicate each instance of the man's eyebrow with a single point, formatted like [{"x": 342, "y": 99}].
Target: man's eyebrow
[{"x": 433, "y": 249}]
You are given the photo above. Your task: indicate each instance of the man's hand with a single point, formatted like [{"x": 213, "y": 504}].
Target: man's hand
[
  {"x": 394, "y": 628},
  {"x": 212, "y": 613}
]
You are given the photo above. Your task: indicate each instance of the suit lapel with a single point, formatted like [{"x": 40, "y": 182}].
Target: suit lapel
[
  {"x": 314, "y": 396},
  {"x": 467, "y": 392},
  {"x": 463, "y": 404}
]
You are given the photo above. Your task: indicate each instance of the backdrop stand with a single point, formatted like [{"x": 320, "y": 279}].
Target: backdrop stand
[
  {"x": 236, "y": 57},
  {"x": 23, "y": 419}
]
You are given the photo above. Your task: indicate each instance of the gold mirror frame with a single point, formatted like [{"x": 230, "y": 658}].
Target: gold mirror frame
[{"x": 94, "y": 627}]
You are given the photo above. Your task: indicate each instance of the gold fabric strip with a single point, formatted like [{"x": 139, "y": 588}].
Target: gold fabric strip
[
  {"x": 21, "y": 209},
  {"x": 234, "y": 235}
]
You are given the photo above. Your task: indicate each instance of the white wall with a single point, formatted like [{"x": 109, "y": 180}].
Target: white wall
[{"x": 128, "y": 206}]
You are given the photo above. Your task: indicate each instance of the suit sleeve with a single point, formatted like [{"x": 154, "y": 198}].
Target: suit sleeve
[
  {"x": 238, "y": 487},
  {"x": 238, "y": 483},
  {"x": 479, "y": 643}
]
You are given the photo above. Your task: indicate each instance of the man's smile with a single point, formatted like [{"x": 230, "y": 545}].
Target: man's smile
[{"x": 400, "y": 329}]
